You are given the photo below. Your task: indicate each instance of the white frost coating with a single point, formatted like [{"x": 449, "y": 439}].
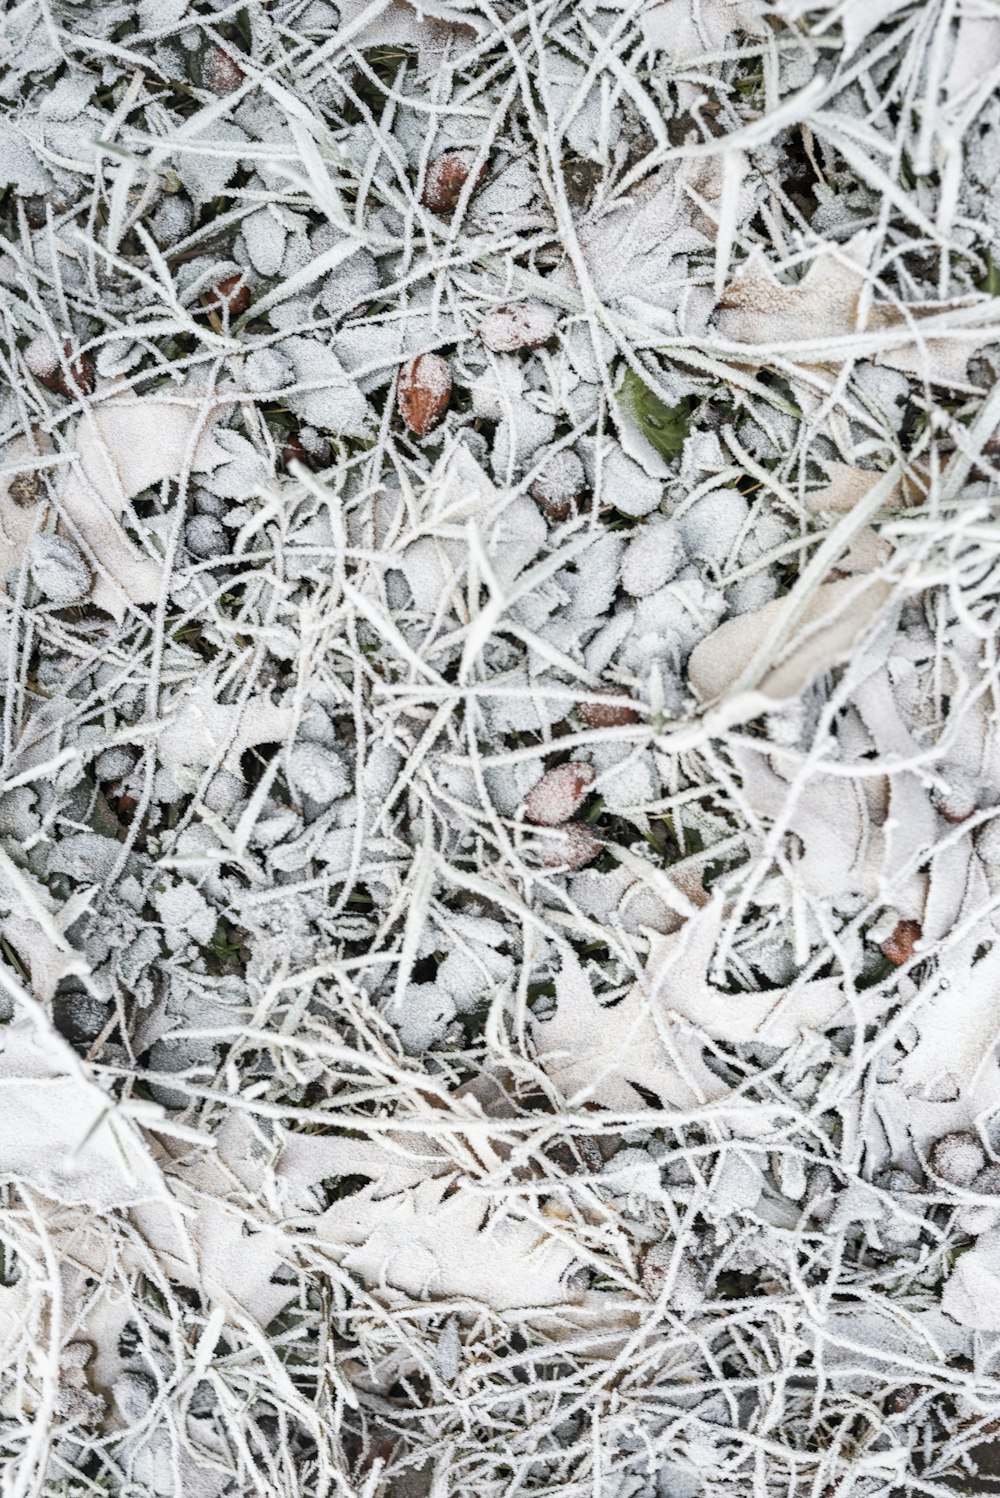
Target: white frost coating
[
  {"x": 58, "y": 569},
  {"x": 551, "y": 899},
  {"x": 972, "y": 1293},
  {"x": 323, "y": 393},
  {"x": 124, "y": 444},
  {"x": 831, "y": 622},
  {"x": 60, "y": 1136},
  {"x": 268, "y": 369},
  {"x": 425, "y": 1013},
  {"x": 186, "y": 915},
  {"x": 711, "y": 527},
  {"x": 652, "y": 558},
  {"x": 318, "y": 772},
  {"x": 265, "y": 241}
]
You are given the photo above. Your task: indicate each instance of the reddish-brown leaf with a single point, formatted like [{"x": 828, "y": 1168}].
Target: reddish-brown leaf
[
  {"x": 570, "y": 847},
  {"x": 231, "y": 294},
  {"x": 220, "y": 72},
  {"x": 293, "y": 451},
  {"x": 899, "y": 946},
  {"x": 558, "y": 483},
  {"x": 558, "y": 794},
  {"x": 49, "y": 369},
  {"x": 608, "y": 714},
  {"x": 423, "y": 392},
  {"x": 446, "y": 176}
]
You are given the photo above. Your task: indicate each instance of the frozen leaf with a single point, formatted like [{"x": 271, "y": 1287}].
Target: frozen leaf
[
  {"x": 523, "y": 325},
  {"x": 619, "y": 481},
  {"x": 240, "y": 470},
  {"x": 690, "y": 29},
  {"x": 318, "y": 772},
  {"x": 850, "y": 486},
  {"x": 652, "y": 557},
  {"x": 435, "y": 1243},
  {"x": 826, "y": 316},
  {"x": 434, "y": 28},
  {"x": 124, "y": 444},
  {"x": 558, "y": 483},
  {"x": 422, "y": 1017},
  {"x": 958, "y": 1158},
  {"x": 972, "y": 1293},
  {"x": 617, "y": 713},
  {"x": 445, "y": 179},
  {"x": 825, "y": 629},
  {"x": 599, "y": 1051},
  {"x": 204, "y": 172},
  {"x": 649, "y": 424},
  {"x": 953, "y": 1055},
  {"x": 632, "y": 250},
  {"x": 264, "y": 235},
  {"x": 323, "y": 394},
  {"x": 58, "y": 569},
  {"x": 712, "y": 527},
  {"x": 200, "y": 728},
  {"x": 63, "y": 1136},
  {"x": 571, "y": 846},
  {"x": 68, "y": 98},
  {"x": 220, "y": 71},
  {"x": 186, "y": 915},
  {"x": 423, "y": 392},
  {"x": 20, "y": 167},
  {"x": 679, "y": 977},
  {"x": 558, "y": 794},
  {"x": 205, "y": 536},
  {"x": 900, "y": 943},
  {"x": 268, "y": 369}
]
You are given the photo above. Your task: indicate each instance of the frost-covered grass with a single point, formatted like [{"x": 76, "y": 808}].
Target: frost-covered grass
[{"x": 499, "y": 760}]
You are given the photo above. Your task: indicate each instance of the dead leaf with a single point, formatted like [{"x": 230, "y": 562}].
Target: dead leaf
[
  {"x": 971, "y": 1295},
  {"x": 850, "y": 486},
  {"x": 124, "y": 444},
  {"x": 825, "y": 318},
  {"x": 440, "y": 1239},
  {"x": 827, "y": 628},
  {"x": 200, "y": 729},
  {"x": 600, "y": 1051},
  {"x": 62, "y": 1134},
  {"x": 691, "y": 29},
  {"x": 432, "y": 27}
]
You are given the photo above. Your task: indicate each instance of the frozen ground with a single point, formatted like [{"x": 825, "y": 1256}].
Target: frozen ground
[{"x": 500, "y": 764}]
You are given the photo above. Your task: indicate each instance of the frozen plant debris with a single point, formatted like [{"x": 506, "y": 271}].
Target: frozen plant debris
[
  {"x": 499, "y": 751},
  {"x": 423, "y": 392}
]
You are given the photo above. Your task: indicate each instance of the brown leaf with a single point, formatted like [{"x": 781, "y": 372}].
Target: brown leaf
[
  {"x": 898, "y": 947},
  {"x": 293, "y": 451},
  {"x": 559, "y": 483},
  {"x": 608, "y": 714},
  {"x": 423, "y": 392},
  {"x": 572, "y": 847},
  {"x": 220, "y": 72},
  {"x": 823, "y": 632},
  {"x": 231, "y": 294},
  {"x": 50, "y": 369},
  {"x": 446, "y": 176},
  {"x": 558, "y": 794},
  {"x": 803, "y": 322}
]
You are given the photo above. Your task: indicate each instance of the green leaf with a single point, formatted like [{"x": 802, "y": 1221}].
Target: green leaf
[
  {"x": 663, "y": 427},
  {"x": 990, "y": 283}
]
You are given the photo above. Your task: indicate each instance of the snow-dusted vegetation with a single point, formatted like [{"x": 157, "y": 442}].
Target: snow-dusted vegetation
[{"x": 500, "y": 763}]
